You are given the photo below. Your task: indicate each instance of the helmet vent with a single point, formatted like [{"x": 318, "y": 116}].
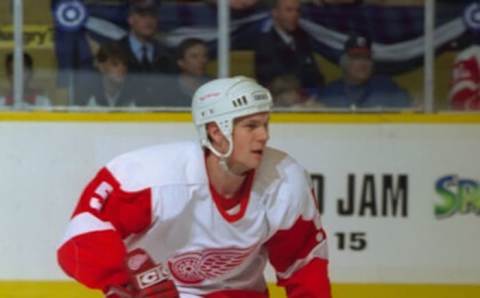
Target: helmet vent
[{"x": 241, "y": 101}]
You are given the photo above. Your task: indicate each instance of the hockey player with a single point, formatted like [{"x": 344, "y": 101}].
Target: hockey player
[{"x": 202, "y": 220}]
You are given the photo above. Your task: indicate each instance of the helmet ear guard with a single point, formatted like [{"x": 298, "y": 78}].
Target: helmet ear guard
[{"x": 222, "y": 101}]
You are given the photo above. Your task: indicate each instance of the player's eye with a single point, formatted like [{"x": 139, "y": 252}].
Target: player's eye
[{"x": 251, "y": 125}]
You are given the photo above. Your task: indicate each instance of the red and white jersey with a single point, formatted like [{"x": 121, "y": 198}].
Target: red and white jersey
[
  {"x": 465, "y": 90},
  {"x": 160, "y": 199}
]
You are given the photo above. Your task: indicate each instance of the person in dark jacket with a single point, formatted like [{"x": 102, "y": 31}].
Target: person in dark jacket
[
  {"x": 149, "y": 60},
  {"x": 285, "y": 50},
  {"x": 360, "y": 87}
]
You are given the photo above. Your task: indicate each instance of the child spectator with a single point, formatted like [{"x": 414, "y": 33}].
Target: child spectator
[
  {"x": 287, "y": 93},
  {"x": 111, "y": 89},
  {"x": 192, "y": 58},
  {"x": 31, "y": 96}
]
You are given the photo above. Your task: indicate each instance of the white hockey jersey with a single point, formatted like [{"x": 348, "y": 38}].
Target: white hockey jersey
[{"x": 159, "y": 199}]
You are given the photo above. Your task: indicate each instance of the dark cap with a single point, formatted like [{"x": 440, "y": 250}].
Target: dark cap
[
  {"x": 143, "y": 7},
  {"x": 358, "y": 45}
]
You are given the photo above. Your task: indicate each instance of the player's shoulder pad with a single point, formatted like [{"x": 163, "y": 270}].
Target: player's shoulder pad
[
  {"x": 163, "y": 164},
  {"x": 279, "y": 168},
  {"x": 285, "y": 189}
]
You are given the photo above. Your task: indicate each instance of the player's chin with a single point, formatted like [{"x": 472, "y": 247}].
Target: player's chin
[{"x": 255, "y": 160}]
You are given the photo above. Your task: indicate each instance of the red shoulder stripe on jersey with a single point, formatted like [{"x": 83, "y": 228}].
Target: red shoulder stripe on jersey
[
  {"x": 93, "y": 251},
  {"x": 129, "y": 212},
  {"x": 95, "y": 259},
  {"x": 288, "y": 246},
  {"x": 310, "y": 281},
  {"x": 96, "y": 193}
]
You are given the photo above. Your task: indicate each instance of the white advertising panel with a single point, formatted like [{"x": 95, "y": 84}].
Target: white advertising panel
[{"x": 400, "y": 202}]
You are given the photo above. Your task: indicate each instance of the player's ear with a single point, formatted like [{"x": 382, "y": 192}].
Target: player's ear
[{"x": 214, "y": 133}]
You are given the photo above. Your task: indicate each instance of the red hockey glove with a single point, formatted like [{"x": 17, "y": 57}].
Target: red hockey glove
[
  {"x": 119, "y": 292},
  {"x": 147, "y": 280}
]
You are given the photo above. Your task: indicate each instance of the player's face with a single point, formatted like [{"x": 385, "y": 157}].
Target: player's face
[
  {"x": 286, "y": 14},
  {"x": 195, "y": 60},
  {"x": 250, "y": 136}
]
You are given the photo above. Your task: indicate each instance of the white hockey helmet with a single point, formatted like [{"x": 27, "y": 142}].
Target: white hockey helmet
[{"x": 223, "y": 100}]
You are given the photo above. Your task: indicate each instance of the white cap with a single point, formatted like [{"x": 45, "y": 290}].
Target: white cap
[{"x": 223, "y": 100}]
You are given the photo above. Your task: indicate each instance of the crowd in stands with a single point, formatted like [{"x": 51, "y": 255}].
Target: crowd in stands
[{"x": 139, "y": 70}]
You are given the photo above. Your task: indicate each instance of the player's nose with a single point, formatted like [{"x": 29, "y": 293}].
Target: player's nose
[{"x": 263, "y": 134}]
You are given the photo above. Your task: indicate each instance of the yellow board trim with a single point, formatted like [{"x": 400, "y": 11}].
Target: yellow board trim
[
  {"x": 60, "y": 289},
  {"x": 337, "y": 118}
]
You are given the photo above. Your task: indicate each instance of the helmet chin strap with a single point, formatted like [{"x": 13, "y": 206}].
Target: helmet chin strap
[{"x": 223, "y": 156}]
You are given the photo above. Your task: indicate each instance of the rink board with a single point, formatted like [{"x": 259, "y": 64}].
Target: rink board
[{"x": 56, "y": 153}]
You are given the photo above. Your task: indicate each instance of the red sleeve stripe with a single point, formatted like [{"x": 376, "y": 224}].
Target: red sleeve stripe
[
  {"x": 310, "y": 281},
  {"x": 85, "y": 223},
  {"x": 290, "y": 249},
  {"x": 320, "y": 251}
]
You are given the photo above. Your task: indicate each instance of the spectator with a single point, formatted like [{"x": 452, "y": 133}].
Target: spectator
[
  {"x": 148, "y": 59},
  {"x": 287, "y": 93},
  {"x": 111, "y": 88},
  {"x": 192, "y": 59},
  {"x": 465, "y": 90},
  {"x": 286, "y": 50},
  {"x": 31, "y": 95},
  {"x": 359, "y": 87}
]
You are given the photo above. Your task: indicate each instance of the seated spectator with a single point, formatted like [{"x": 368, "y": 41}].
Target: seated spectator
[
  {"x": 192, "y": 59},
  {"x": 111, "y": 88},
  {"x": 286, "y": 50},
  {"x": 360, "y": 87},
  {"x": 31, "y": 96},
  {"x": 287, "y": 93},
  {"x": 149, "y": 61},
  {"x": 465, "y": 89}
]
